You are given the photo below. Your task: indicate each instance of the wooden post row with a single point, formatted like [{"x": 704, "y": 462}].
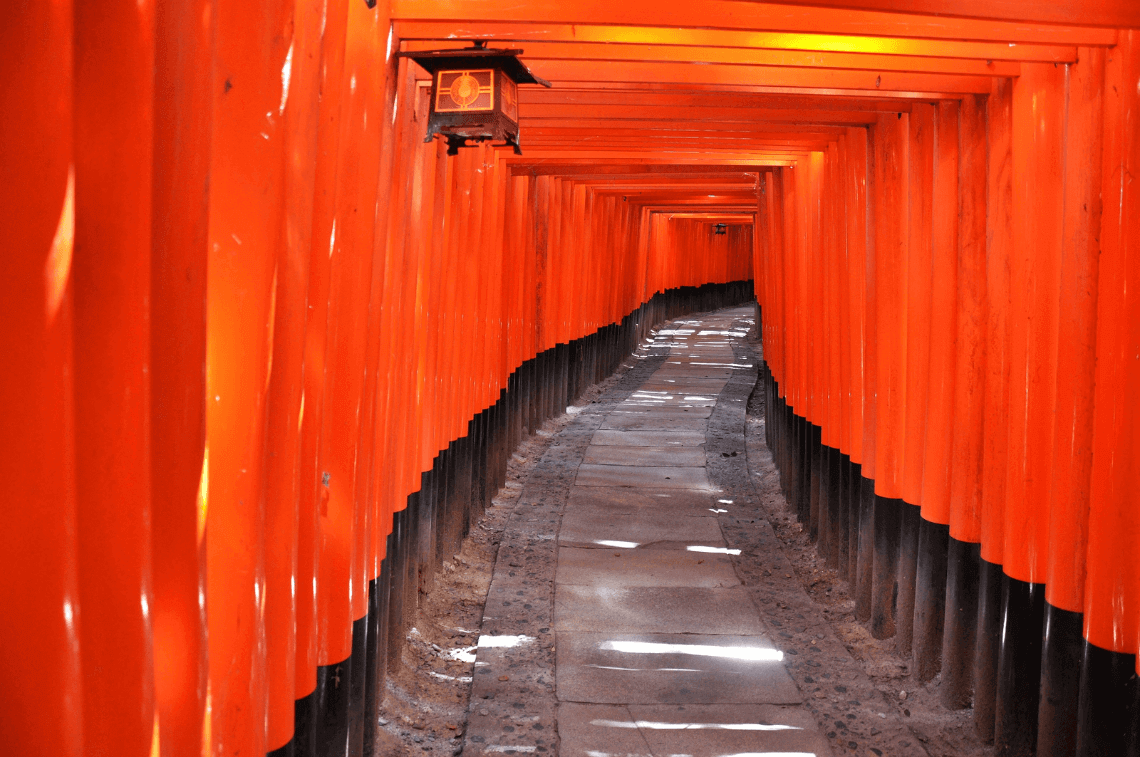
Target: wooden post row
[
  {"x": 946, "y": 325},
  {"x": 253, "y": 312}
]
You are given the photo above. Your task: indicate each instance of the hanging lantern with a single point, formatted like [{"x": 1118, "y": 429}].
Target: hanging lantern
[
  {"x": 721, "y": 229},
  {"x": 474, "y": 94}
]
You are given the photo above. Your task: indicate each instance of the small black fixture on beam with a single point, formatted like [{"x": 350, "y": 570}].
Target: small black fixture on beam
[
  {"x": 721, "y": 229},
  {"x": 474, "y": 94}
]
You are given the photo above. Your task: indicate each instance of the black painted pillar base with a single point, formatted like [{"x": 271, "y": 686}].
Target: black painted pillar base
[
  {"x": 959, "y": 635},
  {"x": 815, "y": 463},
  {"x": 334, "y": 690},
  {"x": 791, "y": 490},
  {"x": 357, "y": 685},
  {"x": 842, "y": 548},
  {"x": 987, "y": 649},
  {"x": 804, "y": 473},
  {"x": 908, "y": 566},
  {"x": 1107, "y": 713},
  {"x": 786, "y": 441},
  {"x": 800, "y": 468},
  {"x": 865, "y": 560},
  {"x": 1019, "y": 668},
  {"x": 833, "y": 476},
  {"x": 823, "y": 541},
  {"x": 376, "y": 663},
  {"x": 1063, "y": 648},
  {"x": 398, "y": 558},
  {"x": 929, "y": 599},
  {"x": 884, "y": 578},
  {"x": 854, "y": 508},
  {"x": 305, "y": 725}
]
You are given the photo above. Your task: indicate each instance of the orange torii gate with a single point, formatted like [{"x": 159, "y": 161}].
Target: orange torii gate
[{"x": 263, "y": 344}]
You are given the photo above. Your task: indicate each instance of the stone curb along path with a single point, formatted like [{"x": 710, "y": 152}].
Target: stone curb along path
[{"x": 558, "y": 594}]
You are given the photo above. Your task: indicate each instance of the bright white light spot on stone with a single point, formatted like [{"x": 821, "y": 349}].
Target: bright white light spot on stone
[
  {"x": 714, "y": 550},
  {"x": 694, "y": 726},
  {"x": 769, "y": 754},
  {"x": 748, "y": 654}
]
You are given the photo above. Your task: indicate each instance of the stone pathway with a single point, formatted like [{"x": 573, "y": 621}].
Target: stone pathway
[{"x": 616, "y": 618}]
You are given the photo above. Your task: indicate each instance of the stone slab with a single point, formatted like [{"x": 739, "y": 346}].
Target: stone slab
[
  {"x": 620, "y": 668},
  {"x": 651, "y": 422},
  {"x": 661, "y": 380},
  {"x": 679, "y": 397},
  {"x": 690, "y": 376},
  {"x": 642, "y": 409},
  {"x": 643, "y": 567},
  {"x": 624, "y": 499},
  {"x": 648, "y": 609},
  {"x": 656, "y": 438},
  {"x": 580, "y": 736},
  {"x": 587, "y": 730},
  {"x": 594, "y": 526},
  {"x": 679, "y": 387},
  {"x": 705, "y": 360},
  {"x": 697, "y": 367},
  {"x": 667, "y": 397},
  {"x": 703, "y": 350},
  {"x": 616, "y": 454},
  {"x": 659, "y": 477}
]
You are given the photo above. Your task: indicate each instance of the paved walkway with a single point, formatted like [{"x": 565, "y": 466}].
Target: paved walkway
[{"x": 656, "y": 647}]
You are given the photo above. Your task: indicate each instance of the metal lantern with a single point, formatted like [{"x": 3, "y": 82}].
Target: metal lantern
[
  {"x": 474, "y": 94},
  {"x": 721, "y": 229}
]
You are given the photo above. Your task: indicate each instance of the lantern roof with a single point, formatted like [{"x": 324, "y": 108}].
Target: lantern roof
[{"x": 506, "y": 60}]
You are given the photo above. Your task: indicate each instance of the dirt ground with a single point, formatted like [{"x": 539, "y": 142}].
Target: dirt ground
[{"x": 942, "y": 732}]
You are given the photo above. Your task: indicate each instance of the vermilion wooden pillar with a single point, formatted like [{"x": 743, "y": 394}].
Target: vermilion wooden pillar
[
  {"x": 855, "y": 217},
  {"x": 42, "y": 717},
  {"x": 999, "y": 242},
  {"x": 1037, "y": 149},
  {"x": 341, "y": 594},
  {"x": 1106, "y": 719},
  {"x": 863, "y": 493},
  {"x": 892, "y": 157},
  {"x": 930, "y": 589},
  {"x": 313, "y": 490},
  {"x": 114, "y": 130},
  {"x": 247, "y": 222},
  {"x": 1073, "y": 422},
  {"x": 964, "y": 564},
  {"x": 285, "y": 581},
  {"x": 179, "y": 232},
  {"x": 919, "y": 373}
]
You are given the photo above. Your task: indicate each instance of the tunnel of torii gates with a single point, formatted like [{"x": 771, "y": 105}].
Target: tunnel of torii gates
[{"x": 266, "y": 352}]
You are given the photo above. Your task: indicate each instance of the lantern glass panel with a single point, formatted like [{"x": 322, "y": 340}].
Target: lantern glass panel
[
  {"x": 509, "y": 97},
  {"x": 465, "y": 91}
]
